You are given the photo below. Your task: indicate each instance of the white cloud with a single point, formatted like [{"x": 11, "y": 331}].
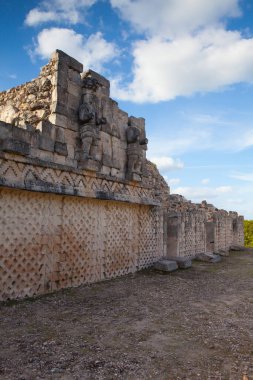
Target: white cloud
[
  {"x": 167, "y": 163},
  {"x": 207, "y": 61},
  {"x": 93, "y": 52},
  {"x": 200, "y": 193},
  {"x": 70, "y": 11},
  {"x": 172, "y": 17},
  {"x": 172, "y": 181},
  {"x": 178, "y": 140},
  {"x": 205, "y": 181},
  {"x": 243, "y": 176},
  {"x": 12, "y": 76}
]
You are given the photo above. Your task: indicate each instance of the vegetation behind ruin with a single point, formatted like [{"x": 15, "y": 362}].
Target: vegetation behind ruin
[{"x": 248, "y": 232}]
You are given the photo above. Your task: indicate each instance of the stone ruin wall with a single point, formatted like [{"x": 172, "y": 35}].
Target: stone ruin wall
[
  {"x": 79, "y": 200},
  {"x": 198, "y": 228},
  {"x": 30, "y": 103},
  {"x": 50, "y": 241}
]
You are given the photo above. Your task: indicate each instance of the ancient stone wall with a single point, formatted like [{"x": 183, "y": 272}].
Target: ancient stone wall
[
  {"x": 67, "y": 117},
  {"x": 50, "y": 241},
  {"x": 198, "y": 228},
  {"x": 79, "y": 200}
]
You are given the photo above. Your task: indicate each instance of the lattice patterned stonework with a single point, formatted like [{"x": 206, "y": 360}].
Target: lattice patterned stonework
[
  {"x": 200, "y": 233},
  {"x": 52, "y": 241}
]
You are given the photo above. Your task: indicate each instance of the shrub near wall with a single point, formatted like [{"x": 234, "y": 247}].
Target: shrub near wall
[{"x": 248, "y": 233}]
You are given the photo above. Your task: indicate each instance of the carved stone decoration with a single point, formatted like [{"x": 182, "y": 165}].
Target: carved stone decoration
[
  {"x": 90, "y": 83},
  {"x": 89, "y": 130},
  {"x": 136, "y": 145}
]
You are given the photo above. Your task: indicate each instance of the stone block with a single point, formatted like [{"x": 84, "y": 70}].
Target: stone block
[
  {"x": 60, "y": 94},
  {"x": 182, "y": 262},
  {"x": 60, "y": 148},
  {"x": 45, "y": 155},
  {"x": 73, "y": 101},
  {"x": 89, "y": 164},
  {"x": 59, "y": 120},
  {"x": 59, "y": 159},
  {"x": 71, "y": 162},
  {"x": 60, "y": 78},
  {"x": 15, "y": 146},
  {"x": 166, "y": 265},
  {"x": 65, "y": 59},
  {"x": 237, "y": 248},
  {"x": 21, "y": 134},
  {"x": 59, "y": 108},
  {"x": 71, "y": 151},
  {"x": 46, "y": 143},
  {"x": 133, "y": 177},
  {"x": 106, "y": 170},
  {"x": 74, "y": 77},
  {"x": 35, "y": 139},
  {"x": 107, "y": 160},
  {"x": 5, "y": 130},
  {"x": 75, "y": 65},
  {"x": 208, "y": 257},
  {"x": 114, "y": 172},
  {"x": 74, "y": 89},
  {"x": 60, "y": 135},
  {"x": 118, "y": 155}
]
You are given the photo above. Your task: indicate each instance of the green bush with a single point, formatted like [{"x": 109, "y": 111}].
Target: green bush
[{"x": 248, "y": 233}]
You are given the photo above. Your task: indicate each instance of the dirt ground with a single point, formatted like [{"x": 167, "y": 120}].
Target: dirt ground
[{"x": 190, "y": 324}]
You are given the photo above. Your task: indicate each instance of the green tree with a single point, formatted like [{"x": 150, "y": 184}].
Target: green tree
[{"x": 248, "y": 233}]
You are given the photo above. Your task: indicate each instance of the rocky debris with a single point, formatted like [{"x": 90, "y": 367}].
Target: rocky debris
[
  {"x": 29, "y": 103},
  {"x": 166, "y": 265},
  {"x": 208, "y": 257},
  {"x": 157, "y": 182}
]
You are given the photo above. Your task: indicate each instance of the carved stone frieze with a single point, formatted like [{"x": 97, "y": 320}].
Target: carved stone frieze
[{"x": 31, "y": 176}]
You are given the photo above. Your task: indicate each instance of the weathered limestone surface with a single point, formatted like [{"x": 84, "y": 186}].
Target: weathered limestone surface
[
  {"x": 195, "y": 229},
  {"x": 51, "y": 241},
  {"x": 29, "y": 103},
  {"x": 79, "y": 200}
]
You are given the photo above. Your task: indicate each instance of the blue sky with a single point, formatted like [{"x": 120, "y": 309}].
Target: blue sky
[{"x": 186, "y": 66}]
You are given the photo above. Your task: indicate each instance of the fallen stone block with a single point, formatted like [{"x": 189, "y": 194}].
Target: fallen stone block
[
  {"x": 182, "y": 262},
  {"x": 166, "y": 265},
  {"x": 237, "y": 248},
  {"x": 208, "y": 258}
]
